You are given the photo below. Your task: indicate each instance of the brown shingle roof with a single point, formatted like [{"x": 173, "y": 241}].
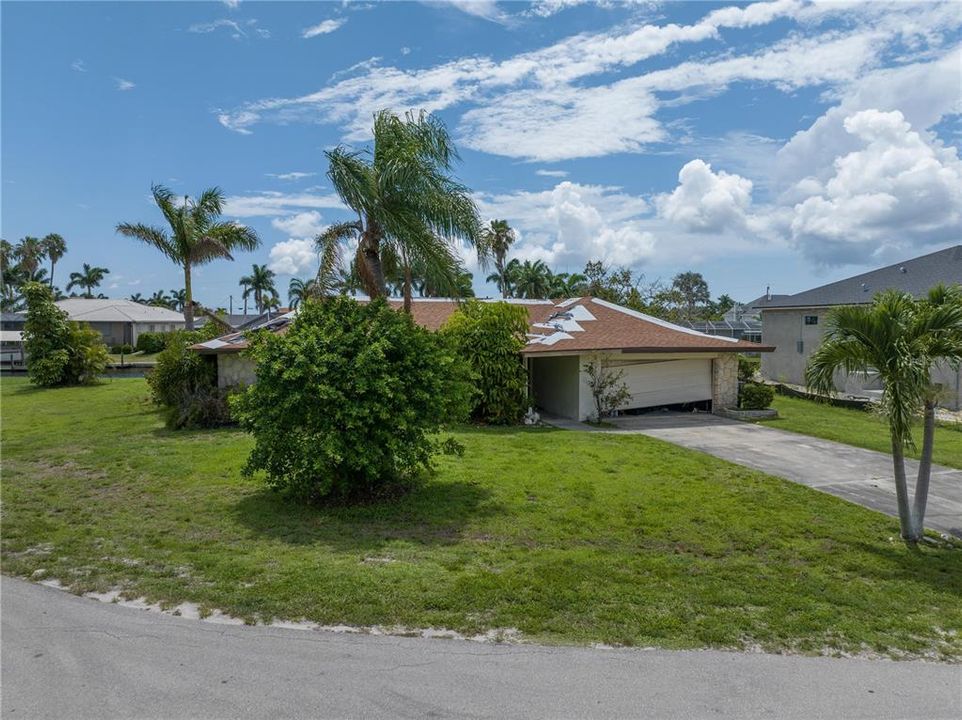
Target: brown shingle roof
[{"x": 575, "y": 325}]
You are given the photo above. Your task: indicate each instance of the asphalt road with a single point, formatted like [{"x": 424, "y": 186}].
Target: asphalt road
[{"x": 69, "y": 657}]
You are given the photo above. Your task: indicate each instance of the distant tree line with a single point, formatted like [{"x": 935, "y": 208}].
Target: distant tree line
[{"x": 24, "y": 262}]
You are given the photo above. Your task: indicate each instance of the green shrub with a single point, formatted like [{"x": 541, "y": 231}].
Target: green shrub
[
  {"x": 349, "y": 401},
  {"x": 755, "y": 396},
  {"x": 124, "y": 349},
  {"x": 152, "y": 342},
  {"x": 747, "y": 367},
  {"x": 184, "y": 382},
  {"x": 490, "y": 337},
  {"x": 59, "y": 352}
]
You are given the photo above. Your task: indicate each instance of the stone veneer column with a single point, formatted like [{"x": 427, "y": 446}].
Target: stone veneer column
[{"x": 724, "y": 381}]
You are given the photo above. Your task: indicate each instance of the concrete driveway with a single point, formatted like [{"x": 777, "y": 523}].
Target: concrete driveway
[
  {"x": 860, "y": 476},
  {"x": 71, "y": 657}
]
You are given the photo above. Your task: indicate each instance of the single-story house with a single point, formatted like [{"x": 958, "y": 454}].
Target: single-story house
[
  {"x": 662, "y": 364},
  {"x": 12, "y": 320},
  {"x": 795, "y": 324},
  {"x": 121, "y": 321}
]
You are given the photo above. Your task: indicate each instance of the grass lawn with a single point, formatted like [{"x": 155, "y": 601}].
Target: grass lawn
[
  {"x": 858, "y": 427},
  {"x": 568, "y": 537}
]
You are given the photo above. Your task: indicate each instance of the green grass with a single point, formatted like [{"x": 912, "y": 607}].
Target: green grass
[
  {"x": 861, "y": 428},
  {"x": 568, "y": 537}
]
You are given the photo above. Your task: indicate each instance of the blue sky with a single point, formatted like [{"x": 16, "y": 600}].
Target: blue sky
[{"x": 781, "y": 144}]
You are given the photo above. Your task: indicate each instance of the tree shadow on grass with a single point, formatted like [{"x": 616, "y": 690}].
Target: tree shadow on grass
[
  {"x": 435, "y": 513},
  {"x": 938, "y": 567}
]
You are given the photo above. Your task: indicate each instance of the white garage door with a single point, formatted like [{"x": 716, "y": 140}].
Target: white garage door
[{"x": 667, "y": 382}]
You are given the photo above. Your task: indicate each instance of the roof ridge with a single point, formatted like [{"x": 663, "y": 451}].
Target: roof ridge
[{"x": 658, "y": 321}]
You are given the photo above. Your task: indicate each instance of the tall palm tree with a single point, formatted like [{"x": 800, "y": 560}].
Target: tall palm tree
[
  {"x": 566, "y": 285},
  {"x": 298, "y": 291},
  {"x": 28, "y": 254},
  {"x": 138, "y": 298},
  {"x": 178, "y": 298},
  {"x": 54, "y": 247},
  {"x": 494, "y": 243},
  {"x": 197, "y": 235},
  {"x": 88, "y": 279},
  {"x": 405, "y": 199},
  {"x": 260, "y": 284},
  {"x": 529, "y": 279},
  {"x": 901, "y": 339},
  {"x": 159, "y": 299}
]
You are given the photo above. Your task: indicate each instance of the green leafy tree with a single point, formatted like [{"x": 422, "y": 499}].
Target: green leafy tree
[
  {"x": 260, "y": 285},
  {"x": 567, "y": 285},
  {"x": 490, "y": 336},
  {"x": 59, "y": 352},
  {"x": 406, "y": 202},
  {"x": 693, "y": 292},
  {"x": 493, "y": 245},
  {"x": 901, "y": 339},
  {"x": 349, "y": 401},
  {"x": 54, "y": 247},
  {"x": 87, "y": 279},
  {"x": 197, "y": 235}
]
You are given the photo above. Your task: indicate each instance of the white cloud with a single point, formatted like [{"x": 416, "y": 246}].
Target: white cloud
[
  {"x": 573, "y": 223},
  {"x": 291, "y": 175},
  {"x": 124, "y": 85},
  {"x": 323, "y": 28},
  {"x": 303, "y": 225},
  {"x": 293, "y": 257},
  {"x": 551, "y": 173},
  {"x": 484, "y": 9},
  {"x": 79, "y": 65},
  {"x": 237, "y": 30},
  {"x": 231, "y": 4},
  {"x": 706, "y": 201},
  {"x": 278, "y": 203},
  {"x": 898, "y": 191},
  {"x": 405, "y": 50}
]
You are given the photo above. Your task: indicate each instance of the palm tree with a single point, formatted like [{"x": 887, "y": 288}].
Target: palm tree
[
  {"x": 54, "y": 247},
  {"x": 529, "y": 279},
  {"x": 138, "y": 298},
  {"x": 567, "y": 285},
  {"x": 197, "y": 235},
  {"x": 260, "y": 283},
  {"x": 405, "y": 199},
  {"x": 899, "y": 338},
  {"x": 28, "y": 254},
  {"x": 88, "y": 279},
  {"x": 494, "y": 243},
  {"x": 159, "y": 299},
  {"x": 178, "y": 298},
  {"x": 299, "y": 290}
]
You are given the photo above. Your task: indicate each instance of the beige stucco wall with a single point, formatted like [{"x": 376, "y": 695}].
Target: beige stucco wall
[
  {"x": 234, "y": 369},
  {"x": 784, "y": 328}
]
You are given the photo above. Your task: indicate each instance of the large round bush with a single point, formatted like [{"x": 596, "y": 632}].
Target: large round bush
[{"x": 349, "y": 400}]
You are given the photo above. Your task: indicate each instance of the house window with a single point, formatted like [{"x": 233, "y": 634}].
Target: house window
[
  {"x": 811, "y": 319},
  {"x": 150, "y": 328}
]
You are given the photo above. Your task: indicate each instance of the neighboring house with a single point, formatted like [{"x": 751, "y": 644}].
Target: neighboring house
[
  {"x": 11, "y": 348},
  {"x": 12, "y": 320},
  {"x": 794, "y": 324},
  {"x": 663, "y": 364},
  {"x": 121, "y": 321}
]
